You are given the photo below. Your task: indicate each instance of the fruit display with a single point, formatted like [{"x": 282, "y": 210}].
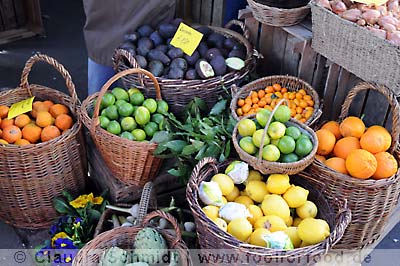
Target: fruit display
[
  {"x": 301, "y": 104},
  {"x": 129, "y": 115},
  {"x": 352, "y": 149},
  {"x": 216, "y": 54},
  {"x": 266, "y": 211},
  {"x": 46, "y": 121}
]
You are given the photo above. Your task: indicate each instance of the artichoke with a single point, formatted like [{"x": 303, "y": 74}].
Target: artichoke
[
  {"x": 150, "y": 246},
  {"x": 114, "y": 256}
]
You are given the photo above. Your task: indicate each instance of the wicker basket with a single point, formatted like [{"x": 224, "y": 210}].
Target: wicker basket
[
  {"x": 289, "y": 82},
  {"x": 132, "y": 162},
  {"x": 124, "y": 237},
  {"x": 278, "y": 17},
  {"x": 178, "y": 93},
  {"x": 267, "y": 167},
  {"x": 371, "y": 201},
  {"x": 32, "y": 176},
  {"x": 211, "y": 237}
]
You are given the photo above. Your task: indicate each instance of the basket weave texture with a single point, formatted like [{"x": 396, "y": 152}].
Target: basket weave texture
[
  {"x": 278, "y": 17},
  {"x": 32, "y": 176},
  {"x": 132, "y": 162},
  {"x": 289, "y": 82},
  {"x": 178, "y": 93},
  {"x": 124, "y": 237},
  {"x": 354, "y": 47},
  {"x": 371, "y": 201},
  {"x": 212, "y": 237}
]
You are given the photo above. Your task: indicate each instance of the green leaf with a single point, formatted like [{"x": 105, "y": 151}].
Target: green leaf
[
  {"x": 62, "y": 207},
  {"x": 188, "y": 150},
  {"x": 67, "y": 195},
  {"x": 174, "y": 172},
  {"x": 161, "y": 136},
  {"x": 160, "y": 149},
  {"x": 197, "y": 144},
  {"x": 201, "y": 104},
  {"x": 218, "y": 108},
  {"x": 200, "y": 154},
  {"x": 94, "y": 215},
  {"x": 212, "y": 151},
  {"x": 176, "y": 145},
  {"x": 227, "y": 149}
]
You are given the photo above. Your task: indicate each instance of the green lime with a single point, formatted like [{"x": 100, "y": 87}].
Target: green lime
[
  {"x": 127, "y": 135},
  {"x": 142, "y": 115},
  {"x": 294, "y": 132},
  {"x": 150, "y": 129},
  {"x": 271, "y": 153},
  {"x": 120, "y": 94},
  {"x": 289, "y": 158},
  {"x": 139, "y": 134},
  {"x": 304, "y": 136},
  {"x": 303, "y": 146},
  {"x": 125, "y": 109},
  {"x": 132, "y": 91},
  {"x": 111, "y": 112},
  {"x": 286, "y": 145},
  {"x": 282, "y": 114},
  {"x": 103, "y": 112},
  {"x": 276, "y": 130},
  {"x": 262, "y": 116},
  {"x": 257, "y": 136},
  {"x": 136, "y": 98},
  {"x": 107, "y": 100},
  {"x": 150, "y": 104},
  {"x": 158, "y": 118},
  {"x": 118, "y": 103},
  {"x": 162, "y": 107},
  {"x": 274, "y": 142},
  {"x": 104, "y": 121},
  {"x": 246, "y": 127},
  {"x": 128, "y": 123},
  {"x": 247, "y": 145},
  {"x": 114, "y": 127}
]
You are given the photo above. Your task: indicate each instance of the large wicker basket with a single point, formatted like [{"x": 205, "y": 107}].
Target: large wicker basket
[
  {"x": 211, "y": 237},
  {"x": 371, "y": 201},
  {"x": 32, "y": 176},
  {"x": 178, "y": 93},
  {"x": 132, "y": 162},
  {"x": 289, "y": 82},
  {"x": 124, "y": 237},
  {"x": 278, "y": 17}
]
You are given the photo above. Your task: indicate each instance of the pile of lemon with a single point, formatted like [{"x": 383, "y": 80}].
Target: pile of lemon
[{"x": 274, "y": 205}]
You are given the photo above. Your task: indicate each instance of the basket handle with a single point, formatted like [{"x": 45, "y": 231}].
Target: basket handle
[
  {"x": 200, "y": 165},
  {"x": 144, "y": 201},
  {"x": 394, "y": 106},
  {"x": 59, "y": 67},
  {"x": 118, "y": 58},
  {"x": 170, "y": 219},
  {"x": 343, "y": 220},
  {"x": 246, "y": 32},
  {"x": 106, "y": 86}
]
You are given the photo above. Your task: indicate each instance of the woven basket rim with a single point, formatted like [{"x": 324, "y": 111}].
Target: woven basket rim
[{"x": 278, "y": 9}]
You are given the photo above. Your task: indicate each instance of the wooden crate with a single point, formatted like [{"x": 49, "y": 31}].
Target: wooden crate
[{"x": 19, "y": 19}]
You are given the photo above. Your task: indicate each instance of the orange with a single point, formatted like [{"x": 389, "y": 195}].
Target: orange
[
  {"x": 261, "y": 94},
  {"x": 49, "y": 133},
  {"x": 333, "y": 127},
  {"x": 58, "y": 109},
  {"x": 37, "y": 107},
  {"x": 269, "y": 89},
  {"x": 2, "y": 141},
  {"x": 337, "y": 164},
  {"x": 326, "y": 141},
  {"x": 376, "y": 139},
  {"x": 240, "y": 102},
  {"x": 352, "y": 127},
  {"x": 21, "y": 142},
  {"x": 344, "y": 146},
  {"x": 22, "y": 120},
  {"x": 277, "y": 87},
  {"x": 63, "y": 122},
  {"x": 31, "y": 132},
  {"x": 1, "y": 133},
  {"x": 387, "y": 165},
  {"x": 44, "y": 119},
  {"x": 48, "y": 104},
  {"x": 6, "y": 122},
  {"x": 4, "y": 111},
  {"x": 320, "y": 157},
  {"x": 239, "y": 112},
  {"x": 11, "y": 134},
  {"x": 361, "y": 164},
  {"x": 283, "y": 90}
]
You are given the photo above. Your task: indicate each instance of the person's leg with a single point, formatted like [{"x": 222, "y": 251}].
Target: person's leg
[{"x": 97, "y": 76}]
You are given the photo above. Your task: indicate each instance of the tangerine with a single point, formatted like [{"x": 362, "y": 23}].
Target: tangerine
[
  {"x": 22, "y": 120},
  {"x": 31, "y": 132},
  {"x": 44, "y": 119},
  {"x": 11, "y": 134},
  {"x": 21, "y": 142},
  {"x": 64, "y": 122},
  {"x": 4, "y": 111},
  {"x": 6, "y": 122},
  {"x": 49, "y": 133},
  {"x": 58, "y": 109}
]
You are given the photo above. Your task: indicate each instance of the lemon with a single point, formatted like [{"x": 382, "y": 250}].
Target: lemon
[
  {"x": 211, "y": 211},
  {"x": 278, "y": 183},
  {"x": 224, "y": 182},
  {"x": 313, "y": 230},
  {"x": 243, "y": 193},
  {"x": 293, "y": 235},
  {"x": 304, "y": 244},
  {"x": 245, "y": 200},
  {"x": 307, "y": 210},
  {"x": 224, "y": 200},
  {"x": 240, "y": 228},
  {"x": 296, "y": 196},
  {"x": 256, "y": 190},
  {"x": 221, "y": 224},
  {"x": 296, "y": 221},
  {"x": 256, "y": 238},
  {"x": 275, "y": 205},
  {"x": 233, "y": 195},
  {"x": 255, "y": 212},
  {"x": 246, "y": 127},
  {"x": 289, "y": 221},
  {"x": 271, "y": 222},
  {"x": 254, "y": 175},
  {"x": 325, "y": 224}
]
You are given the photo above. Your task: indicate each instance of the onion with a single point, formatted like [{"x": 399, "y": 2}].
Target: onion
[
  {"x": 389, "y": 27},
  {"x": 351, "y": 15},
  {"x": 388, "y": 19},
  {"x": 382, "y": 10},
  {"x": 361, "y": 22},
  {"x": 363, "y": 7},
  {"x": 393, "y": 6},
  {"x": 371, "y": 16},
  {"x": 378, "y": 32},
  {"x": 394, "y": 37},
  {"x": 325, "y": 3},
  {"x": 338, "y": 6}
]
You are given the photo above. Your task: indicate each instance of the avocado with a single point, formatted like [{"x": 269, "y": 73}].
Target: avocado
[
  {"x": 212, "y": 53},
  {"x": 205, "y": 31},
  {"x": 177, "y": 21},
  {"x": 145, "y": 30},
  {"x": 166, "y": 70},
  {"x": 219, "y": 65},
  {"x": 237, "y": 53},
  {"x": 234, "y": 63},
  {"x": 176, "y": 73},
  {"x": 144, "y": 45},
  {"x": 162, "y": 47},
  {"x": 175, "y": 52},
  {"x": 239, "y": 46},
  {"x": 204, "y": 69},
  {"x": 158, "y": 55},
  {"x": 179, "y": 63},
  {"x": 156, "y": 38},
  {"x": 167, "y": 30},
  {"x": 128, "y": 46},
  {"x": 131, "y": 37},
  {"x": 202, "y": 48},
  {"x": 141, "y": 60},
  {"x": 224, "y": 52},
  {"x": 216, "y": 40},
  {"x": 191, "y": 60},
  {"x": 191, "y": 74},
  {"x": 229, "y": 43},
  {"x": 156, "y": 68}
]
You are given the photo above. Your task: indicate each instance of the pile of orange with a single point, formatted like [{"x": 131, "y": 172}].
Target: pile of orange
[
  {"x": 46, "y": 121},
  {"x": 300, "y": 103},
  {"x": 351, "y": 149}
]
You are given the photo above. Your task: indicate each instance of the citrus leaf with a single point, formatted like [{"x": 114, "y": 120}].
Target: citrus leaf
[
  {"x": 176, "y": 145},
  {"x": 161, "y": 136},
  {"x": 188, "y": 150},
  {"x": 218, "y": 108}
]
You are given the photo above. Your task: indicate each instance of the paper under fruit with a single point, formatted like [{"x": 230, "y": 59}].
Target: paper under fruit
[
  {"x": 278, "y": 240},
  {"x": 233, "y": 210},
  {"x": 210, "y": 193},
  {"x": 238, "y": 171}
]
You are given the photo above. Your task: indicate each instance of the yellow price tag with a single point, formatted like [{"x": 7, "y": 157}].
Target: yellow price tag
[
  {"x": 369, "y": 2},
  {"x": 20, "y": 107},
  {"x": 186, "y": 38}
]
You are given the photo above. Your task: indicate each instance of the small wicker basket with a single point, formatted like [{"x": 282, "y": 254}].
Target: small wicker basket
[
  {"x": 124, "y": 237},
  {"x": 32, "y": 176},
  {"x": 278, "y": 17},
  {"x": 371, "y": 201},
  {"x": 132, "y": 162},
  {"x": 211, "y": 237}
]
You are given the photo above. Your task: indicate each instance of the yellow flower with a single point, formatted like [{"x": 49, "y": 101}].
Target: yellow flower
[
  {"x": 79, "y": 202},
  {"x": 59, "y": 235},
  {"x": 90, "y": 197},
  {"x": 98, "y": 200}
]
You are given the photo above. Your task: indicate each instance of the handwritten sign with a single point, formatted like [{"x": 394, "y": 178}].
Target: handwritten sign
[
  {"x": 20, "y": 108},
  {"x": 369, "y": 2},
  {"x": 186, "y": 38}
]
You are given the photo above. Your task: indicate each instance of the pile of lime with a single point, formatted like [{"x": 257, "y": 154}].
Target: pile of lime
[
  {"x": 282, "y": 143},
  {"x": 128, "y": 114}
]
